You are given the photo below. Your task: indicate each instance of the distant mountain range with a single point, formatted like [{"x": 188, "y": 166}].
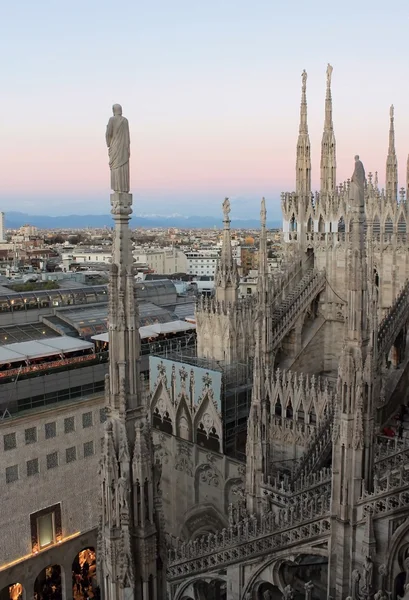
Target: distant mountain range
[{"x": 15, "y": 220}]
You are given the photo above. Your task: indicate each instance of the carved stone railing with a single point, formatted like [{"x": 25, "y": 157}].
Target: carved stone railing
[
  {"x": 251, "y": 537},
  {"x": 285, "y": 318},
  {"x": 286, "y": 492},
  {"x": 318, "y": 448},
  {"x": 390, "y": 453},
  {"x": 389, "y": 495},
  {"x": 393, "y": 322}
]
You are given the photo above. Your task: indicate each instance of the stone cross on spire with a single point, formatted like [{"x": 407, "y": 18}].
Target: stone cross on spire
[
  {"x": 391, "y": 179},
  {"x": 303, "y": 164}
]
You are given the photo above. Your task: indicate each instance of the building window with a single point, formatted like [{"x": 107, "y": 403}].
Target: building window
[
  {"x": 87, "y": 419},
  {"x": 9, "y": 441},
  {"x": 71, "y": 454},
  {"x": 50, "y": 430},
  {"x": 69, "y": 425},
  {"x": 32, "y": 467},
  {"x": 52, "y": 460},
  {"x": 30, "y": 435},
  {"x": 11, "y": 474},
  {"x": 88, "y": 449},
  {"x": 102, "y": 415},
  {"x": 45, "y": 527}
]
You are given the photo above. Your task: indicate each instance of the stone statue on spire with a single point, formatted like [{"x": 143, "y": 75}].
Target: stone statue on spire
[
  {"x": 391, "y": 111},
  {"x": 329, "y": 74},
  {"x": 357, "y": 187},
  {"x": 226, "y": 208},
  {"x": 263, "y": 212},
  {"x": 118, "y": 142},
  {"x": 304, "y": 79}
]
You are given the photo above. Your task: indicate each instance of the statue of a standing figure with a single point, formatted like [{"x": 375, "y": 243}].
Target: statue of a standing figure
[
  {"x": 329, "y": 74},
  {"x": 357, "y": 187},
  {"x": 304, "y": 78},
  {"x": 226, "y": 208},
  {"x": 118, "y": 142},
  {"x": 367, "y": 575}
]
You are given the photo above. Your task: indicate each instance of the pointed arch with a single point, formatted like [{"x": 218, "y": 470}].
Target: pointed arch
[
  {"x": 321, "y": 225},
  {"x": 293, "y": 223},
  {"x": 312, "y": 417},
  {"x": 289, "y": 410},
  {"x": 278, "y": 408},
  {"x": 162, "y": 411},
  {"x": 310, "y": 225},
  {"x": 207, "y": 425},
  {"x": 341, "y": 225},
  {"x": 183, "y": 420}
]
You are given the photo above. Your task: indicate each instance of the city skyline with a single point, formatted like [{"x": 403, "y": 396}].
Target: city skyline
[{"x": 212, "y": 94}]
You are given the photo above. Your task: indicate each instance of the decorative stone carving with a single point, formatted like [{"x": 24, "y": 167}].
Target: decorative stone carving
[
  {"x": 183, "y": 462},
  {"x": 208, "y": 475},
  {"x": 288, "y": 593}
]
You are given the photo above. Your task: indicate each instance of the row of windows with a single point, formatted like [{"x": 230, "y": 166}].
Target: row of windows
[
  {"x": 50, "y": 429},
  {"x": 79, "y": 391},
  {"x": 46, "y": 299},
  {"x": 52, "y": 461}
]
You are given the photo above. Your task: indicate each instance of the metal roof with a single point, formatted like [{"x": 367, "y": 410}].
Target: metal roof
[{"x": 35, "y": 349}]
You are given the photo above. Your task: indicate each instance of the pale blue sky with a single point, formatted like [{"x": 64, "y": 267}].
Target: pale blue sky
[{"x": 212, "y": 92}]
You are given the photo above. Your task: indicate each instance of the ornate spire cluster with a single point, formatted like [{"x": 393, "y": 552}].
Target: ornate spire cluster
[
  {"x": 226, "y": 276},
  {"x": 391, "y": 179},
  {"x": 353, "y": 438},
  {"x": 127, "y": 541},
  {"x": 303, "y": 166},
  {"x": 328, "y": 146}
]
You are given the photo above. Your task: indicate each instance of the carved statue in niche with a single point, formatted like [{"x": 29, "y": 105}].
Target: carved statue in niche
[
  {"x": 123, "y": 493},
  {"x": 367, "y": 574},
  {"x": 309, "y": 586}
]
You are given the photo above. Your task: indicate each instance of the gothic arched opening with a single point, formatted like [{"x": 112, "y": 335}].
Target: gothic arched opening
[
  {"x": 376, "y": 277},
  {"x": 278, "y": 409},
  {"x": 401, "y": 225},
  {"x": 293, "y": 223},
  {"x": 48, "y": 584},
  {"x": 307, "y": 568},
  {"x": 321, "y": 225},
  {"x": 310, "y": 225},
  {"x": 376, "y": 227},
  {"x": 210, "y": 590},
  {"x": 12, "y": 592},
  {"x": 341, "y": 225},
  {"x": 388, "y": 226},
  {"x": 268, "y": 591},
  {"x": 209, "y": 440},
  {"x": 84, "y": 575},
  {"x": 289, "y": 410},
  {"x": 162, "y": 422}
]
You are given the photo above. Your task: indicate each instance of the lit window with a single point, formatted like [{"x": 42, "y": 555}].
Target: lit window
[{"x": 46, "y": 530}]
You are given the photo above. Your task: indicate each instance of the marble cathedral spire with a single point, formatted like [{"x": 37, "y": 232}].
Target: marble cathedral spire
[
  {"x": 407, "y": 180},
  {"x": 352, "y": 459},
  {"x": 255, "y": 447},
  {"x": 328, "y": 146},
  {"x": 127, "y": 538},
  {"x": 391, "y": 179},
  {"x": 303, "y": 165},
  {"x": 226, "y": 276},
  {"x": 258, "y": 446},
  {"x": 264, "y": 290}
]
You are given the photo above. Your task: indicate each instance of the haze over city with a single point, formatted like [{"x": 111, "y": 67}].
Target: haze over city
[{"x": 211, "y": 91}]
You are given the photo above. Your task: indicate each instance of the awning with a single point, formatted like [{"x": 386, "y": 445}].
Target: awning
[
  {"x": 144, "y": 332},
  {"x": 21, "y": 351},
  {"x": 172, "y": 327}
]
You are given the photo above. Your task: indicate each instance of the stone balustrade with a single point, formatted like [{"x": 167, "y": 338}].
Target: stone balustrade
[
  {"x": 393, "y": 321},
  {"x": 251, "y": 537},
  {"x": 293, "y": 311}
]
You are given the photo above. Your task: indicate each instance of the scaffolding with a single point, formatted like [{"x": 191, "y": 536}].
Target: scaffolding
[{"x": 235, "y": 395}]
